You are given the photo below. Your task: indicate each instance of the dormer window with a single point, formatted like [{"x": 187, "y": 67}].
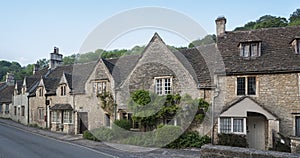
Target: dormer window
[
  {"x": 296, "y": 45},
  {"x": 250, "y": 49}
]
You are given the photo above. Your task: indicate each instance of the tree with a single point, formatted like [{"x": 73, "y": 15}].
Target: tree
[
  {"x": 269, "y": 21},
  {"x": 295, "y": 18},
  {"x": 266, "y": 21},
  {"x": 208, "y": 39},
  {"x": 68, "y": 60},
  {"x": 42, "y": 63}
]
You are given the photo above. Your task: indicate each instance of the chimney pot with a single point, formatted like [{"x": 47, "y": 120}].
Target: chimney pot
[{"x": 221, "y": 25}]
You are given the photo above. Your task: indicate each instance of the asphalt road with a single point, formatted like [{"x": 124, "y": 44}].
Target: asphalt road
[{"x": 15, "y": 143}]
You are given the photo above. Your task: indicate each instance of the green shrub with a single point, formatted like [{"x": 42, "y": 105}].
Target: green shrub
[
  {"x": 190, "y": 139},
  {"x": 98, "y": 134},
  {"x": 88, "y": 135},
  {"x": 233, "y": 140},
  {"x": 125, "y": 124},
  {"x": 140, "y": 139},
  {"x": 103, "y": 133},
  {"x": 167, "y": 133}
]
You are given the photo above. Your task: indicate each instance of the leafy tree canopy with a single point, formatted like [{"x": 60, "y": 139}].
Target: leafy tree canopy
[
  {"x": 208, "y": 39},
  {"x": 268, "y": 21}
]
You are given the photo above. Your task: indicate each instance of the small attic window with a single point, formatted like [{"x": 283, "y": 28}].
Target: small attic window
[
  {"x": 296, "y": 44},
  {"x": 250, "y": 49}
]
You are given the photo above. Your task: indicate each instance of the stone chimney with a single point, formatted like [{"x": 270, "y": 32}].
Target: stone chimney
[
  {"x": 10, "y": 79},
  {"x": 221, "y": 25},
  {"x": 36, "y": 68},
  {"x": 56, "y": 59}
]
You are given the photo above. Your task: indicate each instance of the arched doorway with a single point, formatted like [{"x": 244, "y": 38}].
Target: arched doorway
[{"x": 256, "y": 130}]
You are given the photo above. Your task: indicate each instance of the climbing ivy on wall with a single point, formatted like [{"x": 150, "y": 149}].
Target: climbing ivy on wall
[{"x": 149, "y": 109}]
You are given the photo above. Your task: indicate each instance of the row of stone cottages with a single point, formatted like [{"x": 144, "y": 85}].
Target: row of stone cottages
[{"x": 254, "y": 85}]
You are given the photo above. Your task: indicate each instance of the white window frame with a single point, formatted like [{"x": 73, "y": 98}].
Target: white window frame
[
  {"x": 247, "y": 86},
  {"x": 231, "y": 128},
  {"x": 68, "y": 117},
  {"x": 162, "y": 90},
  {"x": 100, "y": 87},
  {"x": 54, "y": 117},
  {"x": 246, "y": 49},
  {"x": 41, "y": 114}
]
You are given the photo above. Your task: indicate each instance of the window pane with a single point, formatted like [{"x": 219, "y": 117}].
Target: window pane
[
  {"x": 238, "y": 125},
  {"x": 104, "y": 86},
  {"x": 158, "y": 86},
  {"x": 167, "y": 86},
  {"x": 1, "y": 108},
  {"x": 251, "y": 85},
  {"x": 99, "y": 87},
  {"x": 241, "y": 86},
  {"x": 225, "y": 125},
  {"x": 254, "y": 49},
  {"x": 246, "y": 50},
  {"x": 298, "y": 126},
  {"x": 67, "y": 116},
  {"x": 6, "y": 108}
]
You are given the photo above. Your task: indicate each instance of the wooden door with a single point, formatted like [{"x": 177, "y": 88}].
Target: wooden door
[
  {"x": 82, "y": 122},
  {"x": 256, "y": 132}
]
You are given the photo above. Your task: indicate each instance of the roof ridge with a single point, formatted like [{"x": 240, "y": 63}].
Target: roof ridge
[{"x": 262, "y": 29}]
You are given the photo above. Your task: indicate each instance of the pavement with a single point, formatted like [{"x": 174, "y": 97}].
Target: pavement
[{"x": 107, "y": 148}]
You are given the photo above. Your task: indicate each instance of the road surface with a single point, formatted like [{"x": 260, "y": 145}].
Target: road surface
[{"x": 15, "y": 143}]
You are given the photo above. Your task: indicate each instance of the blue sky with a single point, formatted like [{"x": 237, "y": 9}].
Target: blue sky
[{"x": 30, "y": 29}]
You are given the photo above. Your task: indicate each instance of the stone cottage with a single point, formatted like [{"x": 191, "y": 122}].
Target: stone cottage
[
  {"x": 6, "y": 93},
  {"x": 67, "y": 97},
  {"x": 21, "y": 93},
  {"x": 161, "y": 70},
  {"x": 258, "y": 96}
]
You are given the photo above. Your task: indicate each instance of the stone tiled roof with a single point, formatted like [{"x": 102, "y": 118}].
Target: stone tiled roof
[
  {"x": 80, "y": 75},
  {"x": 51, "y": 85},
  {"x": 58, "y": 71},
  {"x": 123, "y": 67},
  {"x": 19, "y": 86},
  {"x": 69, "y": 79},
  {"x": 6, "y": 94},
  {"x": 277, "y": 53},
  {"x": 109, "y": 63},
  {"x": 61, "y": 107},
  {"x": 202, "y": 63}
]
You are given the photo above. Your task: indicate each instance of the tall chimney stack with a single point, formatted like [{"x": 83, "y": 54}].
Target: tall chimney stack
[
  {"x": 56, "y": 59},
  {"x": 10, "y": 79},
  {"x": 221, "y": 25},
  {"x": 36, "y": 68}
]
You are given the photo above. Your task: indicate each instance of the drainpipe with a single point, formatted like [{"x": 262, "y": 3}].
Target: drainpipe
[
  {"x": 28, "y": 116},
  {"x": 115, "y": 105},
  {"x": 75, "y": 115},
  {"x": 46, "y": 117},
  {"x": 216, "y": 94}
]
